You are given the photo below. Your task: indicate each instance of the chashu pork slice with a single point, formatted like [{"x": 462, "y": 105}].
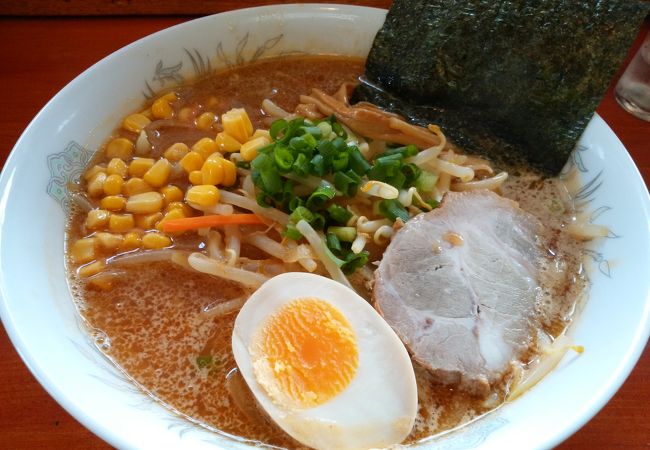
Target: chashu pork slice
[{"x": 459, "y": 285}]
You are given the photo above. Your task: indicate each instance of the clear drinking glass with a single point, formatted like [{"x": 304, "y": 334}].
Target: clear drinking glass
[{"x": 633, "y": 88}]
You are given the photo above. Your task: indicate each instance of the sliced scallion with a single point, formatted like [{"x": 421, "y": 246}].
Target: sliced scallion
[
  {"x": 339, "y": 214},
  {"x": 392, "y": 209},
  {"x": 345, "y": 234}
]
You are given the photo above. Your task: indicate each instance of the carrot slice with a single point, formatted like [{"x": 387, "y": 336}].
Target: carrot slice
[{"x": 191, "y": 223}]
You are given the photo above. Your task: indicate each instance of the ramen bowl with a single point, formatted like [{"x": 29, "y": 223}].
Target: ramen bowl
[{"x": 40, "y": 317}]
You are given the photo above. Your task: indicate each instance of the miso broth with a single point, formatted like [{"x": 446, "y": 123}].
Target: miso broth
[{"x": 156, "y": 320}]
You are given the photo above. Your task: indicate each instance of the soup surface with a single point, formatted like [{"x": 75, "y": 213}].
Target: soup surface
[{"x": 161, "y": 324}]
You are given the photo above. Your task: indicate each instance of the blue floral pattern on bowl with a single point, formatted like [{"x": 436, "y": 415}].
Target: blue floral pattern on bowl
[{"x": 67, "y": 166}]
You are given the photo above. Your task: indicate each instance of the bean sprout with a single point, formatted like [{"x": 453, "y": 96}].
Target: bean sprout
[
  {"x": 202, "y": 263},
  {"x": 319, "y": 248}
]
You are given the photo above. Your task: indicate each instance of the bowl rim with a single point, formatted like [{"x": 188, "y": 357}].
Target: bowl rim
[{"x": 104, "y": 431}]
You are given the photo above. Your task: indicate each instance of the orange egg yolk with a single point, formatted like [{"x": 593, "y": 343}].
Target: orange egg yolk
[{"x": 309, "y": 350}]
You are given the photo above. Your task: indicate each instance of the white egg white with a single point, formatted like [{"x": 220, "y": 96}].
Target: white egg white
[{"x": 378, "y": 407}]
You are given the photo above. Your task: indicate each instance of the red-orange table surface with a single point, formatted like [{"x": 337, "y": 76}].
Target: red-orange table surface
[{"x": 41, "y": 55}]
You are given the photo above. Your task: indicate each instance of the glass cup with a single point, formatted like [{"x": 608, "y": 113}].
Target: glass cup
[{"x": 633, "y": 88}]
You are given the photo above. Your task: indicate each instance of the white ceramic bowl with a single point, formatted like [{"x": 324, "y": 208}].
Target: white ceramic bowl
[{"x": 43, "y": 324}]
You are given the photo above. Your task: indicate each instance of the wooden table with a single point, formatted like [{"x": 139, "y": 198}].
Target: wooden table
[{"x": 40, "y": 55}]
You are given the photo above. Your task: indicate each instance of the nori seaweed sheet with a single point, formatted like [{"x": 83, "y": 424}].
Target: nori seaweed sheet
[{"x": 503, "y": 78}]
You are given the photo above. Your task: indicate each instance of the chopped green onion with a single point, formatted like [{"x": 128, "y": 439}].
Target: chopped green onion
[
  {"x": 347, "y": 182},
  {"x": 340, "y": 161},
  {"x": 354, "y": 261},
  {"x": 386, "y": 168},
  {"x": 292, "y": 232},
  {"x": 264, "y": 200},
  {"x": 299, "y": 143},
  {"x": 392, "y": 209},
  {"x": 267, "y": 179},
  {"x": 339, "y": 130},
  {"x": 243, "y": 164},
  {"x": 287, "y": 194},
  {"x": 433, "y": 203},
  {"x": 426, "y": 182},
  {"x": 339, "y": 262},
  {"x": 295, "y": 202},
  {"x": 283, "y": 158},
  {"x": 314, "y": 131},
  {"x": 345, "y": 234},
  {"x": 411, "y": 172},
  {"x": 357, "y": 162},
  {"x": 322, "y": 194},
  {"x": 301, "y": 165},
  {"x": 405, "y": 152},
  {"x": 333, "y": 242},
  {"x": 277, "y": 127},
  {"x": 318, "y": 165},
  {"x": 326, "y": 148},
  {"x": 339, "y": 144},
  {"x": 310, "y": 140},
  {"x": 301, "y": 213},
  {"x": 339, "y": 214},
  {"x": 319, "y": 221},
  {"x": 398, "y": 180},
  {"x": 325, "y": 128}
]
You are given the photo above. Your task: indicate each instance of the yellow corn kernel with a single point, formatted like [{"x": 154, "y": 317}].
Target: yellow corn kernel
[
  {"x": 171, "y": 215},
  {"x": 229, "y": 172},
  {"x": 94, "y": 170},
  {"x": 203, "y": 195},
  {"x": 205, "y": 121},
  {"x": 147, "y": 113},
  {"x": 95, "y": 186},
  {"x": 119, "y": 148},
  {"x": 175, "y": 152},
  {"x": 171, "y": 97},
  {"x": 97, "y": 218},
  {"x": 249, "y": 149},
  {"x": 186, "y": 210},
  {"x": 227, "y": 143},
  {"x": 205, "y": 147},
  {"x": 117, "y": 166},
  {"x": 192, "y": 161},
  {"x": 108, "y": 241},
  {"x": 132, "y": 240},
  {"x": 113, "y": 203},
  {"x": 91, "y": 269},
  {"x": 212, "y": 170},
  {"x": 186, "y": 114},
  {"x": 121, "y": 223},
  {"x": 135, "y": 122},
  {"x": 237, "y": 124},
  {"x": 83, "y": 250},
  {"x": 139, "y": 166},
  {"x": 261, "y": 133},
  {"x": 161, "y": 107},
  {"x": 158, "y": 174},
  {"x": 144, "y": 203},
  {"x": 113, "y": 184},
  {"x": 103, "y": 283},
  {"x": 134, "y": 186},
  {"x": 155, "y": 240},
  {"x": 196, "y": 177},
  {"x": 171, "y": 193},
  {"x": 148, "y": 221}
]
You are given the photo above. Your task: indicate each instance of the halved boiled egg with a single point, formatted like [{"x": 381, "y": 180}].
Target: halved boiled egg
[{"x": 324, "y": 365}]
